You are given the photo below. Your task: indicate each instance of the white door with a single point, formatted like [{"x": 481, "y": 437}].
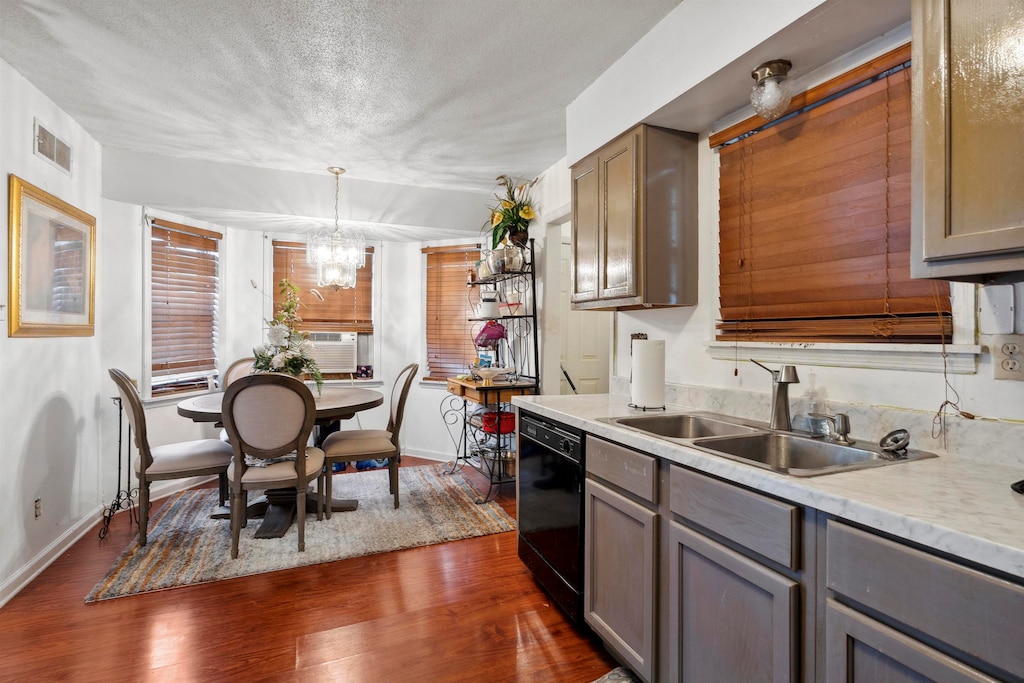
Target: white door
[{"x": 586, "y": 336}]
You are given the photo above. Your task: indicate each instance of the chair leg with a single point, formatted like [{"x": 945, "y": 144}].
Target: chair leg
[
  {"x": 222, "y": 487},
  {"x": 328, "y": 492},
  {"x": 393, "y": 477},
  {"x": 143, "y": 512},
  {"x": 237, "y": 519},
  {"x": 300, "y": 513},
  {"x": 321, "y": 482}
]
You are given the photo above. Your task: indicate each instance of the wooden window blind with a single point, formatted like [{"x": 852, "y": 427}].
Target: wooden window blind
[
  {"x": 814, "y": 227},
  {"x": 342, "y": 310},
  {"x": 185, "y": 293},
  {"x": 450, "y": 348}
]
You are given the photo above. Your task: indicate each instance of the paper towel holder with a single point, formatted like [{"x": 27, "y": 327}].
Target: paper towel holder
[{"x": 633, "y": 337}]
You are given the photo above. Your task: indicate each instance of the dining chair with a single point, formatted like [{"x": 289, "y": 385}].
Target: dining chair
[
  {"x": 269, "y": 416},
  {"x": 240, "y": 368},
  {"x": 372, "y": 444},
  {"x": 201, "y": 457}
]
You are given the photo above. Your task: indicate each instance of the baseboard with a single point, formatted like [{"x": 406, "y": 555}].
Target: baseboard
[
  {"x": 30, "y": 570},
  {"x": 23, "y": 576},
  {"x": 439, "y": 456}
]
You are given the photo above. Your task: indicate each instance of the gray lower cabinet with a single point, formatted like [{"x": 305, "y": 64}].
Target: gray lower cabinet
[
  {"x": 859, "y": 649},
  {"x": 619, "y": 576},
  {"x": 895, "y": 613},
  {"x": 620, "y": 552},
  {"x": 732, "y": 619}
]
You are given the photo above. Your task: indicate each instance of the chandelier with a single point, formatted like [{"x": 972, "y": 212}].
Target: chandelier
[{"x": 336, "y": 254}]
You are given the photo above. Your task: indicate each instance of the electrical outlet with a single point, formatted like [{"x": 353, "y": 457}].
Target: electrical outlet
[
  {"x": 39, "y": 507},
  {"x": 1008, "y": 356}
]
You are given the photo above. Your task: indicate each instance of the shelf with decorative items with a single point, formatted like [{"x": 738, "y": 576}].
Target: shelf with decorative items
[{"x": 477, "y": 410}]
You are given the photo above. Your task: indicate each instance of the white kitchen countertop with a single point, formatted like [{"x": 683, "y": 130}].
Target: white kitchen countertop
[{"x": 959, "y": 505}]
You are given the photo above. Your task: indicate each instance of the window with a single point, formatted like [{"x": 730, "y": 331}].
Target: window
[
  {"x": 450, "y": 348},
  {"x": 814, "y": 220},
  {"x": 342, "y": 310},
  {"x": 185, "y": 294}
]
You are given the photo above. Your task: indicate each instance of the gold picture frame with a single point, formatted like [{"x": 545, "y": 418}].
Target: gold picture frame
[{"x": 52, "y": 265}]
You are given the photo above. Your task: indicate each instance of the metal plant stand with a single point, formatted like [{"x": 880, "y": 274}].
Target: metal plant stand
[
  {"x": 125, "y": 497},
  {"x": 478, "y": 412}
]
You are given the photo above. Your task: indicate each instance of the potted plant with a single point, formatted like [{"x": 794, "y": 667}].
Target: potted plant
[
  {"x": 511, "y": 216},
  {"x": 288, "y": 349}
]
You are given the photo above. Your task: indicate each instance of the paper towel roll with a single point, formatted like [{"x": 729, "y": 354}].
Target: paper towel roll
[{"x": 647, "y": 374}]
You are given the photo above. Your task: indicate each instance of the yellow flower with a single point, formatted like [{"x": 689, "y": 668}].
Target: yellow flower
[
  {"x": 506, "y": 204},
  {"x": 527, "y": 213},
  {"x": 495, "y": 218}
]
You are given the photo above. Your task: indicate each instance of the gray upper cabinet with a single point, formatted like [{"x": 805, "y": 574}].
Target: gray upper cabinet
[
  {"x": 968, "y": 153},
  {"x": 634, "y": 204}
]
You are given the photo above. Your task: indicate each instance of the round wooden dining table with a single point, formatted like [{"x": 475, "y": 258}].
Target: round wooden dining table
[
  {"x": 333, "y": 403},
  {"x": 277, "y": 507}
]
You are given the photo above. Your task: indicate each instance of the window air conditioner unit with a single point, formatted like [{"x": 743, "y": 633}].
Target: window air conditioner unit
[{"x": 334, "y": 351}]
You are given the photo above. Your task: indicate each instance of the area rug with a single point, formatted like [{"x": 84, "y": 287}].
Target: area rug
[{"x": 187, "y": 547}]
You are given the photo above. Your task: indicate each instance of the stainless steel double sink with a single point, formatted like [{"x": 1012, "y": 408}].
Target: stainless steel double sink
[{"x": 796, "y": 454}]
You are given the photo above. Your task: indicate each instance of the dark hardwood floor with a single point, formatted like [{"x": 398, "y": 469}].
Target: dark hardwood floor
[{"x": 461, "y": 611}]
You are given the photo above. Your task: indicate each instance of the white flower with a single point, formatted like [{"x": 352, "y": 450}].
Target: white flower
[
  {"x": 278, "y": 335},
  {"x": 277, "y": 362}
]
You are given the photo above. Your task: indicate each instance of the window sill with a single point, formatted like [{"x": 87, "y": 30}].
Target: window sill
[{"x": 961, "y": 359}]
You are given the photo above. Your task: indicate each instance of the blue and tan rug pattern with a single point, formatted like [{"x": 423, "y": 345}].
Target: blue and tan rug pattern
[{"x": 187, "y": 547}]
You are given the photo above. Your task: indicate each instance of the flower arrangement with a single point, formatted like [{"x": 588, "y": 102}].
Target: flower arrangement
[
  {"x": 513, "y": 212},
  {"x": 288, "y": 349}
]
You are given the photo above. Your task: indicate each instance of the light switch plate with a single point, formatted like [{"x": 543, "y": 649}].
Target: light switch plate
[{"x": 1008, "y": 356}]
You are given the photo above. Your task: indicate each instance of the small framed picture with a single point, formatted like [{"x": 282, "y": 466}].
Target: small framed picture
[{"x": 52, "y": 265}]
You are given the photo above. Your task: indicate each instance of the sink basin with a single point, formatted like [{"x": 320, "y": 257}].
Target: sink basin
[
  {"x": 800, "y": 456},
  {"x": 682, "y": 426}
]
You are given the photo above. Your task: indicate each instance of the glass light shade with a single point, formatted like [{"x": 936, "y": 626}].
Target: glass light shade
[
  {"x": 771, "y": 97},
  {"x": 336, "y": 254}
]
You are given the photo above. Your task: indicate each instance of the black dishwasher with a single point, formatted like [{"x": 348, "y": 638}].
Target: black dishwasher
[{"x": 551, "y": 508}]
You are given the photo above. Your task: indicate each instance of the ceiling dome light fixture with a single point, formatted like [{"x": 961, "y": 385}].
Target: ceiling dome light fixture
[
  {"x": 336, "y": 253},
  {"x": 771, "y": 94}
]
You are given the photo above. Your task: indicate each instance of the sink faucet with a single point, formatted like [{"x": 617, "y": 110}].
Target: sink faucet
[
  {"x": 839, "y": 427},
  {"x": 781, "y": 379}
]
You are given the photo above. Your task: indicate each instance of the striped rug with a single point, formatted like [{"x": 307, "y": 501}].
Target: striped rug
[{"x": 187, "y": 547}]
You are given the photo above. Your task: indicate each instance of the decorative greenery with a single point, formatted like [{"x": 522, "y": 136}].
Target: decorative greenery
[
  {"x": 514, "y": 210},
  {"x": 288, "y": 350}
]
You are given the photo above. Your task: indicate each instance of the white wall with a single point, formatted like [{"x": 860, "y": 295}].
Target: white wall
[{"x": 51, "y": 399}]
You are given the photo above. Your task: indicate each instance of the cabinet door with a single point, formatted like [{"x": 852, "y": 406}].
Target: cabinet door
[
  {"x": 861, "y": 650},
  {"x": 586, "y": 221},
  {"x": 619, "y": 575},
  {"x": 968, "y": 151},
  {"x": 618, "y": 246},
  {"x": 731, "y": 619}
]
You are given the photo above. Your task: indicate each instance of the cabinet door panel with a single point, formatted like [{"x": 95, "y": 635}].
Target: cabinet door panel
[
  {"x": 585, "y": 225},
  {"x": 859, "y": 649},
  {"x": 618, "y": 249},
  {"x": 619, "y": 575},
  {"x": 968, "y": 151},
  {"x": 732, "y": 618}
]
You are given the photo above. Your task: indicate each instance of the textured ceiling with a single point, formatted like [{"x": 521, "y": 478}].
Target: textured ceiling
[{"x": 436, "y": 93}]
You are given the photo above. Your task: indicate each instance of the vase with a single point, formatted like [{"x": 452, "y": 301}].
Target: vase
[
  {"x": 505, "y": 260},
  {"x": 519, "y": 238}
]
